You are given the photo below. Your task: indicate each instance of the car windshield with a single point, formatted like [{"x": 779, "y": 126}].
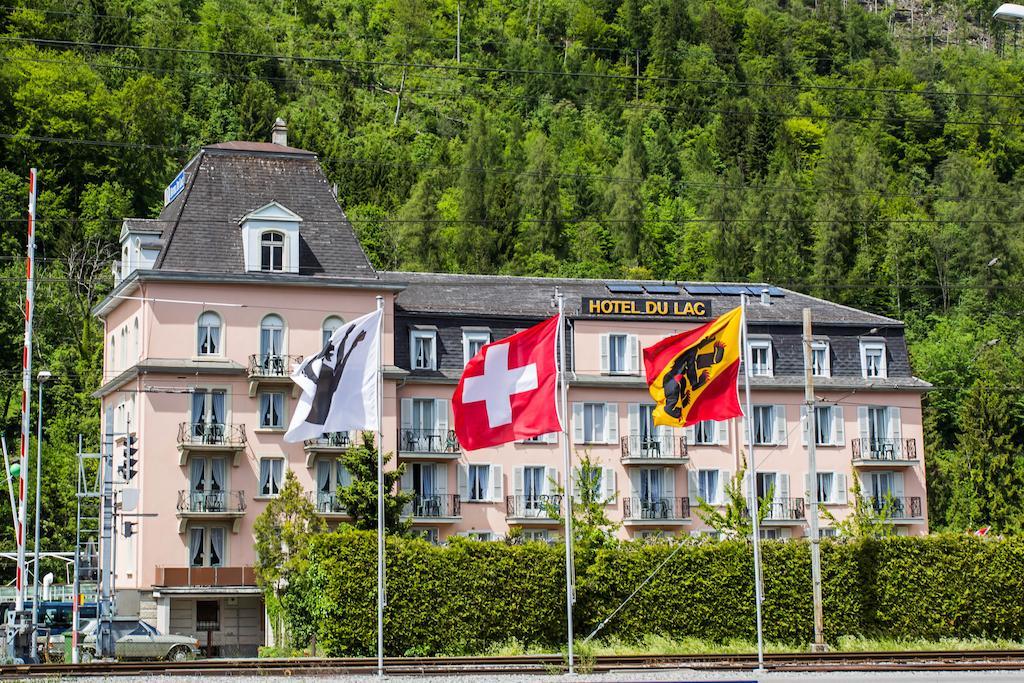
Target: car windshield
[{"x": 152, "y": 629}]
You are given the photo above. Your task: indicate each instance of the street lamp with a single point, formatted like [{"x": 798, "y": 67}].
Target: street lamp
[
  {"x": 1011, "y": 14},
  {"x": 41, "y": 378}
]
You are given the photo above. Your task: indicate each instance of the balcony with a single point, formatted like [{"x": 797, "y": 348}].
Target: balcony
[
  {"x": 655, "y": 511},
  {"x": 904, "y": 509},
  {"x": 428, "y": 444},
  {"x": 327, "y": 504},
  {"x": 210, "y": 506},
  {"x": 210, "y": 437},
  {"x": 173, "y": 577},
  {"x": 533, "y": 509},
  {"x": 642, "y": 450},
  {"x": 435, "y": 508},
  {"x": 270, "y": 369},
  {"x": 331, "y": 443},
  {"x": 785, "y": 512},
  {"x": 884, "y": 452}
]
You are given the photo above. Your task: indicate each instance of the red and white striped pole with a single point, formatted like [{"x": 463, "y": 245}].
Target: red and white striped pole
[{"x": 26, "y": 389}]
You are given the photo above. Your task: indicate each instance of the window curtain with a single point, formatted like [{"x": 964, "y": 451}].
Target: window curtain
[
  {"x": 217, "y": 413},
  {"x": 198, "y": 408},
  {"x": 195, "y": 547},
  {"x": 344, "y": 478},
  {"x": 276, "y": 475},
  {"x": 265, "y": 477},
  {"x": 198, "y": 474},
  {"x": 323, "y": 476},
  {"x": 216, "y": 546},
  {"x": 217, "y": 474}
]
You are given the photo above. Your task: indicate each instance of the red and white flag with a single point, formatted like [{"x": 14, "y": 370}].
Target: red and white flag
[{"x": 507, "y": 391}]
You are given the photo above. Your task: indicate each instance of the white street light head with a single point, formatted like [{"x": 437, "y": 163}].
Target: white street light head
[
  {"x": 995, "y": 259},
  {"x": 44, "y": 375},
  {"x": 1010, "y": 13}
]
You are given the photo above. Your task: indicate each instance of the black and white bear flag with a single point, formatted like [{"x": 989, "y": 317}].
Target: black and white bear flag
[{"x": 339, "y": 384}]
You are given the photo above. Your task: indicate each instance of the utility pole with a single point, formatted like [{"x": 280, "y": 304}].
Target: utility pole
[{"x": 812, "y": 470}]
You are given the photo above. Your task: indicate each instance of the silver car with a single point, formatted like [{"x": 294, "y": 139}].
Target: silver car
[{"x": 137, "y": 639}]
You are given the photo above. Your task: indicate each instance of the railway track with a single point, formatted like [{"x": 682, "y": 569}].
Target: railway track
[{"x": 977, "y": 660}]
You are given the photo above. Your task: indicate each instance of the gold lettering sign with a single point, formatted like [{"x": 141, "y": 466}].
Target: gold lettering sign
[{"x": 654, "y": 308}]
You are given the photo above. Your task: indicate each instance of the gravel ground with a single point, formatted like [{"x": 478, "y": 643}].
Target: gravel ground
[{"x": 676, "y": 676}]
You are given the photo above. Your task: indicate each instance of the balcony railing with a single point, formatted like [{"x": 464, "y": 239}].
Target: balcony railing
[
  {"x": 786, "y": 508},
  {"x": 272, "y": 365},
  {"x": 896, "y": 508},
  {"x": 326, "y": 502},
  {"x": 329, "y": 440},
  {"x": 205, "y": 576},
  {"x": 533, "y": 507},
  {"x": 436, "y": 505},
  {"x": 638, "y": 446},
  {"x": 885, "y": 450},
  {"x": 655, "y": 508},
  {"x": 211, "y": 434},
  {"x": 211, "y": 501},
  {"x": 428, "y": 441}
]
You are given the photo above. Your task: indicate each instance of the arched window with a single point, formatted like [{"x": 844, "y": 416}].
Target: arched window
[
  {"x": 271, "y": 339},
  {"x": 124, "y": 347},
  {"x": 331, "y": 325},
  {"x": 113, "y": 352},
  {"x": 272, "y": 252},
  {"x": 208, "y": 336},
  {"x": 135, "y": 340}
]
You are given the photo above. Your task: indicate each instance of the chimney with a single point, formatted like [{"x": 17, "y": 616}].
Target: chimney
[
  {"x": 766, "y": 299},
  {"x": 279, "y": 133}
]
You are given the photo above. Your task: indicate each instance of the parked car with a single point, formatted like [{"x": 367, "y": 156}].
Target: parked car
[{"x": 135, "y": 639}]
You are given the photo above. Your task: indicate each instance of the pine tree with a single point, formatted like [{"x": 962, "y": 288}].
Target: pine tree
[
  {"x": 626, "y": 214},
  {"x": 541, "y": 229},
  {"x": 359, "y": 498}
]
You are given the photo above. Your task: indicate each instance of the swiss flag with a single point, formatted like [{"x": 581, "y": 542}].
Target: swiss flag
[{"x": 507, "y": 391}]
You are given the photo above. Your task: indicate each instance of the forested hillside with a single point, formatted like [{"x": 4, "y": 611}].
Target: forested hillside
[{"x": 864, "y": 153}]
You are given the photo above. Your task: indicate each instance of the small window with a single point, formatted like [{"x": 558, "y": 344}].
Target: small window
[
  {"x": 828, "y": 532},
  {"x": 821, "y": 365},
  {"x": 207, "y": 615},
  {"x": 330, "y": 326},
  {"x": 770, "y": 534},
  {"x": 825, "y": 486},
  {"x": 272, "y": 252},
  {"x": 208, "y": 338},
  {"x": 481, "y": 535},
  {"x": 593, "y": 423},
  {"x": 824, "y": 426},
  {"x": 761, "y": 357},
  {"x": 472, "y": 342},
  {"x": 707, "y": 486},
  {"x": 705, "y": 433},
  {"x": 479, "y": 482},
  {"x": 424, "y": 352},
  {"x": 271, "y": 338},
  {"x": 618, "y": 353},
  {"x": 113, "y": 352},
  {"x": 271, "y": 476},
  {"x": 764, "y": 425},
  {"x": 272, "y": 410},
  {"x": 536, "y": 535},
  {"x": 206, "y": 546},
  {"x": 428, "y": 534},
  {"x": 872, "y": 356}
]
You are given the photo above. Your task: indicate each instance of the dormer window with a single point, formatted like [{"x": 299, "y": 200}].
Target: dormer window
[{"x": 272, "y": 252}]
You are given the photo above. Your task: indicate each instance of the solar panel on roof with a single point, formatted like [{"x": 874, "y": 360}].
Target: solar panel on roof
[
  {"x": 734, "y": 290},
  {"x": 775, "y": 291},
  {"x": 701, "y": 289},
  {"x": 662, "y": 289},
  {"x": 625, "y": 288}
]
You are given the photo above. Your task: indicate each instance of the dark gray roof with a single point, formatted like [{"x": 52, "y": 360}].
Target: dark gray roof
[
  {"x": 489, "y": 295},
  {"x": 153, "y": 226},
  {"x": 229, "y": 180}
]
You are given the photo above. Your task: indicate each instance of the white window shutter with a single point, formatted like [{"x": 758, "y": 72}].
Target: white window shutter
[
  {"x": 779, "y": 412},
  {"x": 550, "y": 480},
  {"x": 783, "y": 488},
  {"x": 497, "y": 484},
  {"x": 441, "y": 417},
  {"x": 406, "y": 413},
  {"x": 665, "y": 435},
  {"x": 690, "y": 434},
  {"x": 407, "y": 479},
  {"x": 605, "y": 365},
  {"x": 838, "y": 426},
  {"x": 840, "y": 484},
  {"x": 744, "y": 434},
  {"x": 634, "y": 483},
  {"x": 517, "y": 482},
  {"x": 634, "y": 354},
  {"x": 771, "y": 361},
  {"x": 895, "y": 425},
  {"x": 611, "y": 424},
  {"x": 897, "y": 485},
  {"x": 865, "y": 432},
  {"x": 668, "y": 480},
  {"x": 441, "y": 478},
  {"x": 608, "y": 474},
  {"x": 805, "y": 422},
  {"x": 634, "y": 419},
  {"x": 577, "y": 422},
  {"x": 807, "y": 486},
  {"x": 723, "y": 433},
  {"x": 693, "y": 486},
  {"x": 464, "y": 482},
  {"x": 724, "y": 477}
]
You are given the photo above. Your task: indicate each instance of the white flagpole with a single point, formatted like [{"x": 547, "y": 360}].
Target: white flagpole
[
  {"x": 570, "y": 589},
  {"x": 758, "y": 598},
  {"x": 381, "y": 599}
]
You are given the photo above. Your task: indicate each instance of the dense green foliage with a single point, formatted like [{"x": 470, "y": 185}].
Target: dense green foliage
[
  {"x": 471, "y": 595},
  {"x": 831, "y": 146}
]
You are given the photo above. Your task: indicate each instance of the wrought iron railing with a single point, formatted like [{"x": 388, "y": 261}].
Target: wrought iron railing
[
  {"x": 905, "y": 507},
  {"x": 211, "y": 434},
  {"x": 272, "y": 365},
  {"x": 427, "y": 441},
  {"x": 655, "y": 508},
  {"x": 326, "y": 502},
  {"x": 885, "y": 450},
  {"x": 329, "y": 440},
  {"x": 639, "y": 446},
  {"x": 435, "y": 505},
  {"x": 786, "y": 508},
  {"x": 538, "y": 507},
  {"x": 211, "y": 501}
]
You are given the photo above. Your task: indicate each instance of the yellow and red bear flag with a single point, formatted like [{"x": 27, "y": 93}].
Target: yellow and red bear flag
[{"x": 692, "y": 376}]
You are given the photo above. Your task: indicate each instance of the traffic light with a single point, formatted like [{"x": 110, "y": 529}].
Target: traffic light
[
  {"x": 129, "y": 529},
  {"x": 127, "y": 468}
]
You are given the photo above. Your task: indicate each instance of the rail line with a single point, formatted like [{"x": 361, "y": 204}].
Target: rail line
[{"x": 973, "y": 660}]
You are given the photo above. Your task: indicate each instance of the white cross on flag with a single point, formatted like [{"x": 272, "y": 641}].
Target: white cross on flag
[{"x": 507, "y": 391}]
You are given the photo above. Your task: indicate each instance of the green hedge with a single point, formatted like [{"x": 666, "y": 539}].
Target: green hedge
[{"x": 464, "y": 597}]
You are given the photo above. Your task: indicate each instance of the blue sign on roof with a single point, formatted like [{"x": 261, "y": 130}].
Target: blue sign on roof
[{"x": 174, "y": 189}]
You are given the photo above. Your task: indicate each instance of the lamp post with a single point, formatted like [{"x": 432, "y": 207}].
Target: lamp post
[
  {"x": 41, "y": 379},
  {"x": 1011, "y": 14}
]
